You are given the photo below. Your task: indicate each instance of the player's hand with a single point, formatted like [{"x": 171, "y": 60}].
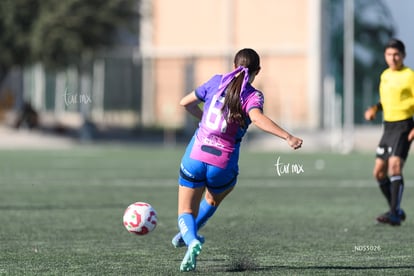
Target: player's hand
[
  {"x": 411, "y": 135},
  {"x": 294, "y": 142},
  {"x": 370, "y": 114}
]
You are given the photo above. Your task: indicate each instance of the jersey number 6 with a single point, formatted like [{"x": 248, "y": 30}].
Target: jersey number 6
[{"x": 214, "y": 118}]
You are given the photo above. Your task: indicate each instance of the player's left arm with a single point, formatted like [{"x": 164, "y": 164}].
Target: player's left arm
[
  {"x": 191, "y": 104},
  {"x": 268, "y": 125}
]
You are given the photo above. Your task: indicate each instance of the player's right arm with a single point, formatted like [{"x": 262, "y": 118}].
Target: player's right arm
[
  {"x": 191, "y": 104},
  {"x": 266, "y": 124},
  {"x": 372, "y": 111}
]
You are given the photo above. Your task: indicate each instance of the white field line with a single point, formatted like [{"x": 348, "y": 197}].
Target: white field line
[{"x": 173, "y": 182}]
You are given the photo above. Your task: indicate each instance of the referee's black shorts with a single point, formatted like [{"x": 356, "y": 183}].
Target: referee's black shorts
[{"x": 394, "y": 140}]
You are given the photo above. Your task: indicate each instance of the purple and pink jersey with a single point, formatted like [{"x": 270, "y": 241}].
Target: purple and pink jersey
[{"x": 216, "y": 139}]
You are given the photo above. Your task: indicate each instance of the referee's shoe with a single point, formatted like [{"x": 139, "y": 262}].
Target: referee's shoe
[{"x": 393, "y": 220}]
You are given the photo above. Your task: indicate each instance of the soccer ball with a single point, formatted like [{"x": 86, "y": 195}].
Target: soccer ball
[{"x": 140, "y": 218}]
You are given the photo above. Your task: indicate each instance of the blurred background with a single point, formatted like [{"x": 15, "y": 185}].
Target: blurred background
[{"x": 96, "y": 71}]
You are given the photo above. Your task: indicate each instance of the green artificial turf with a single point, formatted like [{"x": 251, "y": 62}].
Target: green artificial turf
[{"x": 61, "y": 214}]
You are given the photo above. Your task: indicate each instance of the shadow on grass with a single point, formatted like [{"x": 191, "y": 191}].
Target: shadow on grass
[
  {"x": 282, "y": 267},
  {"x": 246, "y": 265}
]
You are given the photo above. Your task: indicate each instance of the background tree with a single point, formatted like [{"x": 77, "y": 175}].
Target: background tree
[
  {"x": 60, "y": 33},
  {"x": 16, "y": 21}
]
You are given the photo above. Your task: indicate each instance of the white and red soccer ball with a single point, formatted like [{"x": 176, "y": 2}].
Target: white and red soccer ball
[{"x": 140, "y": 218}]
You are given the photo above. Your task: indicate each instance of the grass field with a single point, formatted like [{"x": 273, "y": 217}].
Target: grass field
[{"x": 61, "y": 214}]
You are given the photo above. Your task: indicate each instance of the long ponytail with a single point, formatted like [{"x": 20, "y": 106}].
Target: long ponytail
[
  {"x": 249, "y": 60},
  {"x": 232, "y": 108}
]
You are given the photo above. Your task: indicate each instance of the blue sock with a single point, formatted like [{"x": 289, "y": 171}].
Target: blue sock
[
  {"x": 187, "y": 226},
  {"x": 205, "y": 212}
]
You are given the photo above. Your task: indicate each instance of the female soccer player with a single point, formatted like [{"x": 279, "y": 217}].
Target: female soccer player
[
  {"x": 397, "y": 104},
  {"x": 210, "y": 162}
]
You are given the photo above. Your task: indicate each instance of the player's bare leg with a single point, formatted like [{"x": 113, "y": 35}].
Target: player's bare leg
[
  {"x": 211, "y": 202},
  {"x": 381, "y": 175},
  {"x": 188, "y": 206},
  {"x": 187, "y": 203}
]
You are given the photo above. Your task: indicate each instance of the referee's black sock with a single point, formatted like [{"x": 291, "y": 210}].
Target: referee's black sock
[
  {"x": 385, "y": 187},
  {"x": 397, "y": 188}
]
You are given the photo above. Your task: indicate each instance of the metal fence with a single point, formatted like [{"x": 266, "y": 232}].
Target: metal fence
[{"x": 107, "y": 91}]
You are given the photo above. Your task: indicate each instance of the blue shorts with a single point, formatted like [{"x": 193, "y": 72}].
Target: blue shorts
[{"x": 196, "y": 174}]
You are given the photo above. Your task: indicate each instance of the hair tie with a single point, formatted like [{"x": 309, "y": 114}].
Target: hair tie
[{"x": 226, "y": 79}]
